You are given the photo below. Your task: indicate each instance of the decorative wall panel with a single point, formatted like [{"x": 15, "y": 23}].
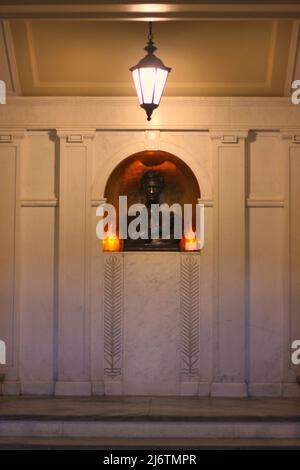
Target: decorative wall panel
[{"x": 113, "y": 315}]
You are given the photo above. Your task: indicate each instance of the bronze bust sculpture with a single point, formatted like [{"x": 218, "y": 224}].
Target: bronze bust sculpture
[
  {"x": 152, "y": 185},
  {"x": 151, "y": 188}
]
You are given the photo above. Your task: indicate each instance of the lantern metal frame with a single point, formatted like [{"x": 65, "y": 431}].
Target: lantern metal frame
[{"x": 150, "y": 61}]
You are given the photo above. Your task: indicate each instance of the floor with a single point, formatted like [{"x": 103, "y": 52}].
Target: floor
[
  {"x": 150, "y": 409},
  {"x": 46, "y": 443}
]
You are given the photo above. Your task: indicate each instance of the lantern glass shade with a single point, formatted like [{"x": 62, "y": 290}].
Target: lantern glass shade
[{"x": 149, "y": 83}]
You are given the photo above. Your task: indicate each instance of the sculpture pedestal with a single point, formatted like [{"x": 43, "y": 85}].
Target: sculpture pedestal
[{"x": 151, "y": 323}]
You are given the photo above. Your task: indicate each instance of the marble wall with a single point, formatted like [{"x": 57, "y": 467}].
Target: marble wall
[{"x": 77, "y": 321}]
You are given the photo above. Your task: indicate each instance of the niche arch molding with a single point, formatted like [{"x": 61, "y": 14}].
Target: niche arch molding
[{"x": 112, "y": 158}]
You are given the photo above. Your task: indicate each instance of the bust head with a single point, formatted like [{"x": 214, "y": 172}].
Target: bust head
[{"x": 152, "y": 185}]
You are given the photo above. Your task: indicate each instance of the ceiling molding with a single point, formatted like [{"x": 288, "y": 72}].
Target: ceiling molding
[
  {"x": 151, "y": 11},
  {"x": 296, "y": 71},
  {"x": 8, "y": 63},
  {"x": 292, "y": 60}
]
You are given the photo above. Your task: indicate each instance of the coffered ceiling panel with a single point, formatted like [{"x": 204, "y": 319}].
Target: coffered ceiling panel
[{"x": 208, "y": 58}]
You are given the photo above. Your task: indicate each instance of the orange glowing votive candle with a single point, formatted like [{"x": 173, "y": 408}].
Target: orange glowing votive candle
[
  {"x": 190, "y": 244},
  {"x": 112, "y": 243}
]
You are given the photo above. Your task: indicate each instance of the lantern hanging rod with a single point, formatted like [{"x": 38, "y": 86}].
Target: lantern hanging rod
[
  {"x": 150, "y": 48},
  {"x": 150, "y": 34}
]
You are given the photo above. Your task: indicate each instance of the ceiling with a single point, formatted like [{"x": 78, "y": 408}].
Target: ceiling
[
  {"x": 244, "y": 58},
  {"x": 53, "y": 48}
]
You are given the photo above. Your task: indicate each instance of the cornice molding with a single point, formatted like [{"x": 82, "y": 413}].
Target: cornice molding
[
  {"x": 229, "y": 136},
  {"x": 83, "y": 116},
  {"x": 75, "y": 136},
  {"x": 162, "y": 11},
  {"x": 9, "y": 135},
  {"x": 291, "y": 134}
]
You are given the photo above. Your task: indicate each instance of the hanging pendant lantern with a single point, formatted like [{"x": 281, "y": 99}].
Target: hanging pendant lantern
[{"x": 150, "y": 76}]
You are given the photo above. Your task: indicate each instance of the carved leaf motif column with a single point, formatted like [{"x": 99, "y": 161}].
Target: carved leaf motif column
[
  {"x": 113, "y": 323},
  {"x": 10, "y": 204},
  {"x": 229, "y": 266},
  {"x": 189, "y": 319},
  {"x": 74, "y": 374}
]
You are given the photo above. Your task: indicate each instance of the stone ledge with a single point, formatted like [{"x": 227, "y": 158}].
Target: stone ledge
[{"x": 151, "y": 409}]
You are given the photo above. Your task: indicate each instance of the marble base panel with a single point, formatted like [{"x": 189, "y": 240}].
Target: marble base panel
[{"x": 151, "y": 323}]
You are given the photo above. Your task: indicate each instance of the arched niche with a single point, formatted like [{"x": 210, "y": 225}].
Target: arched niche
[{"x": 181, "y": 185}]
